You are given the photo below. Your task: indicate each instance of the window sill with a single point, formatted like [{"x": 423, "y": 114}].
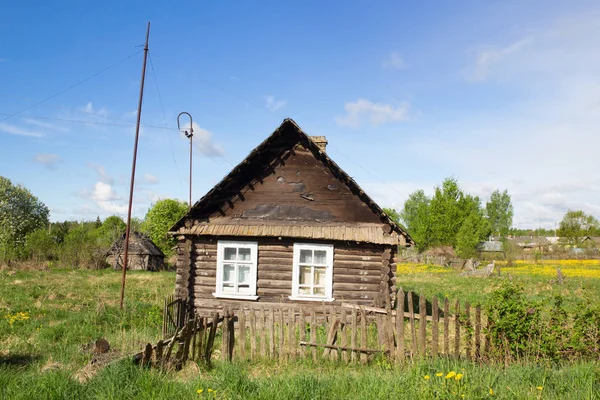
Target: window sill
[
  {"x": 235, "y": 296},
  {"x": 311, "y": 299}
]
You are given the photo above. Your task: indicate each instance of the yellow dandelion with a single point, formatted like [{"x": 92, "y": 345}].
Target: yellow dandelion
[
  {"x": 462, "y": 395},
  {"x": 491, "y": 392},
  {"x": 210, "y": 390},
  {"x": 426, "y": 377},
  {"x": 199, "y": 391},
  {"x": 540, "y": 388},
  {"x": 439, "y": 374},
  {"x": 458, "y": 377},
  {"x": 451, "y": 375}
]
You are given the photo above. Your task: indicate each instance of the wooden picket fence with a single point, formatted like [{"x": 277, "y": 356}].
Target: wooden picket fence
[{"x": 413, "y": 327}]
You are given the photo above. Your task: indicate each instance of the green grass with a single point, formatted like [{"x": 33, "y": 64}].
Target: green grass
[{"x": 40, "y": 357}]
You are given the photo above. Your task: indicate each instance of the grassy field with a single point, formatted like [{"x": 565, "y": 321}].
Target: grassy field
[{"x": 47, "y": 316}]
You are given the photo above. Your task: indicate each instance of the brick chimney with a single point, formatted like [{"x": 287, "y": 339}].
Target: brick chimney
[{"x": 320, "y": 141}]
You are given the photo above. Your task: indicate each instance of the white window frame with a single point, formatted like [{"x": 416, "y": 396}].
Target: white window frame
[
  {"x": 328, "y": 273},
  {"x": 253, "y": 246}
]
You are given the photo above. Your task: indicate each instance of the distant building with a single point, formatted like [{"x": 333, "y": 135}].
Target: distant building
[{"x": 143, "y": 254}]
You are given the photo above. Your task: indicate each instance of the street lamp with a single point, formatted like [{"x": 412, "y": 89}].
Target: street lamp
[{"x": 189, "y": 135}]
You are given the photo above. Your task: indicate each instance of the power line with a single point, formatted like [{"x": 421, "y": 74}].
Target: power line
[
  {"x": 71, "y": 87},
  {"x": 165, "y": 119}
]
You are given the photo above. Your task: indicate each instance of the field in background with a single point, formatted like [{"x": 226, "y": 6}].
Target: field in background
[
  {"x": 581, "y": 282},
  {"x": 47, "y": 316}
]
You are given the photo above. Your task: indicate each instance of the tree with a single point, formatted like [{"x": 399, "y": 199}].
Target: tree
[
  {"x": 448, "y": 209},
  {"x": 415, "y": 215},
  {"x": 576, "y": 225},
  {"x": 20, "y": 213},
  {"x": 474, "y": 229},
  {"x": 499, "y": 211},
  {"x": 111, "y": 229},
  {"x": 161, "y": 216}
]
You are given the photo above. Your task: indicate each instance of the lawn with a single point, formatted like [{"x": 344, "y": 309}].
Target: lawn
[{"x": 47, "y": 316}]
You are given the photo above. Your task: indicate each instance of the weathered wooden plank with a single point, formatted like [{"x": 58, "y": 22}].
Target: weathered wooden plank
[
  {"x": 354, "y": 335},
  {"x": 457, "y": 329},
  {"x": 263, "y": 333},
  {"x": 331, "y": 336},
  {"x": 274, "y": 275},
  {"x": 357, "y": 287},
  {"x": 272, "y": 333},
  {"x": 280, "y": 334},
  {"x": 313, "y": 333},
  {"x": 342, "y": 348},
  {"x": 225, "y": 335},
  {"x": 446, "y": 327},
  {"x": 252, "y": 317},
  {"x": 363, "y": 333},
  {"x": 210, "y": 341},
  {"x": 379, "y": 310},
  {"x": 478, "y": 332},
  {"x": 344, "y": 330},
  {"x": 434, "y": 327},
  {"x": 285, "y": 286},
  {"x": 468, "y": 333},
  {"x": 302, "y": 328},
  {"x": 413, "y": 335},
  {"x": 400, "y": 352},
  {"x": 422, "y": 324},
  {"x": 291, "y": 331}
]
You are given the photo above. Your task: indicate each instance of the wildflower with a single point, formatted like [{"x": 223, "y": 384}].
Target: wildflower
[
  {"x": 210, "y": 390},
  {"x": 462, "y": 395},
  {"x": 450, "y": 375},
  {"x": 199, "y": 391},
  {"x": 491, "y": 392},
  {"x": 439, "y": 374},
  {"x": 540, "y": 388},
  {"x": 426, "y": 377},
  {"x": 458, "y": 377}
]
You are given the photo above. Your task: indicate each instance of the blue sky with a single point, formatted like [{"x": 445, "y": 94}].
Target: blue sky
[{"x": 501, "y": 95}]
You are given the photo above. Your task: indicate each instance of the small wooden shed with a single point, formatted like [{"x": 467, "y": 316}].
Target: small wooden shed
[
  {"x": 286, "y": 225},
  {"x": 143, "y": 253}
]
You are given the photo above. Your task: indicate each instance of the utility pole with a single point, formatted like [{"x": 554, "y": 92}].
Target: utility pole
[
  {"x": 135, "y": 146},
  {"x": 189, "y": 135}
]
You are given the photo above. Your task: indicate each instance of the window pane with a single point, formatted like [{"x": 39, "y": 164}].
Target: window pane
[
  {"x": 228, "y": 272},
  {"x": 230, "y": 253},
  {"x": 244, "y": 289},
  {"x": 304, "y": 290},
  {"x": 319, "y": 291},
  {"x": 306, "y": 257},
  {"x": 243, "y": 274},
  {"x": 243, "y": 254},
  {"x": 320, "y": 257},
  {"x": 228, "y": 288},
  {"x": 305, "y": 276},
  {"x": 319, "y": 276}
]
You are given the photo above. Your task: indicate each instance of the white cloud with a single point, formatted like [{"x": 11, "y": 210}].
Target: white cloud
[
  {"x": 150, "y": 179},
  {"x": 50, "y": 161},
  {"x": 44, "y": 125},
  {"x": 363, "y": 110},
  {"x": 203, "y": 141},
  {"x": 489, "y": 56},
  {"x": 15, "y": 130},
  {"x": 89, "y": 109},
  {"x": 272, "y": 104},
  {"x": 102, "y": 175},
  {"x": 394, "y": 61},
  {"x": 106, "y": 198}
]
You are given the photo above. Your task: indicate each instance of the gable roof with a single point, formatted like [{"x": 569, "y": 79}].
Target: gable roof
[
  {"x": 263, "y": 155},
  {"x": 139, "y": 243}
]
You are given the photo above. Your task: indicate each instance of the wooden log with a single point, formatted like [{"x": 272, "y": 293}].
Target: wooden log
[
  {"x": 363, "y": 334},
  {"x": 468, "y": 333},
  {"x": 357, "y": 257},
  {"x": 285, "y": 286},
  {"x": 242, "y": 330},
  {"x": 313, "y": 333},
  {"x": 252, "y": 317},
  {"x": 352, "y": 265},
  {"x": 274, "y": 275},
  {"x": 446, "y": 327},
  {"x": 413, "y": 335},
  {"x": 400, "y": 325},
  {"x": 434, "y": 327},
  {"x": 358, "y": 279},
  {"x": 457, "y": 330},
  {"x": 478, "y": 332},
  {"x": 422, "y": 324},
  {"x": 356, "y": 287}
]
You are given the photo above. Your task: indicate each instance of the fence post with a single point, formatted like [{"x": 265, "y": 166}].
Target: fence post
[
  {"x": 446, "y": 327},
  {"x": 434, "y": 327},
  {"x": 400, "y": 325},
  {"x": 413, "y": 334},
  {"x": 363, "y": 333},
  {"x": 252, "y": 317},
  {"x": 313, "y": 333},
  {"x": 354, "y": 334},
  {"x": 242, "y": 330},
  {"x": 478, "y": 332},
  {"x": 468, "y": 332},
  {"x": 422, "y": 324},
  {"x": 263, "y": 333},
  {"x": 457, "y": 330}
]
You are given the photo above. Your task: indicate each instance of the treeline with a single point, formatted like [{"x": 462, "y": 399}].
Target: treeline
[
  {"x": 26, "y": 235},
  {"x": 454, "y": 218}
]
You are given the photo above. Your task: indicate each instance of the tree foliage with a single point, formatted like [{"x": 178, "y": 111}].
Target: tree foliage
[
  {"x": 474, "y": 229},
  {"x": 499, "y": 211},
  {"x": 415, "y": 215},
  {"x": 161, "y": 216},
  {"x": 576, "y": 225},
  {"x": 21, "y": 213}
]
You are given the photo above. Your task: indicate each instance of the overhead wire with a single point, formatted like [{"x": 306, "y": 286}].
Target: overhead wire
[{"x": 70, "y": 87}]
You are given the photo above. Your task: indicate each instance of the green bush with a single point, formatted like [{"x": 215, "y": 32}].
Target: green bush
[{"x": 40, "y": 246}]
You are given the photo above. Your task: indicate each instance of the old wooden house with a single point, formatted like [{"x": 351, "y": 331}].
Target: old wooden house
[
  {"x": 143, "y": 253},
  {"x": 286, "y": 225}
]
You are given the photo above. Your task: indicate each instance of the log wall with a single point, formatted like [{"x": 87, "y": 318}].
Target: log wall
[{"x": 362, "y": 273}]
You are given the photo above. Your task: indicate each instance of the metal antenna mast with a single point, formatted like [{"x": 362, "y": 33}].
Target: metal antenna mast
[
  {"x": 135, "y": 146},
  {"x": 189, "y": 135}
]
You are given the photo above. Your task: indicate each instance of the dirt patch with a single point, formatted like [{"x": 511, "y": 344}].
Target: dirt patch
[{"x": 51, "y": 365}]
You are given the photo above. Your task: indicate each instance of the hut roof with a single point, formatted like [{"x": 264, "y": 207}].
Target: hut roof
[
  {"x": 262, "y": 156},
  {"x": 139, "y": 244}
]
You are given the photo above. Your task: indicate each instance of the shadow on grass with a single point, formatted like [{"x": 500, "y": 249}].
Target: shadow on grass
[{"x": 18, "y": 360}]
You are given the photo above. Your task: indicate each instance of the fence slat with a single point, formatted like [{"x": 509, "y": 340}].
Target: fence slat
[
  {"x": 291, "y": 333},
  {"x": 478, "y": 332},
  {"x": 468, "y": 332},
  {"x": 446, "y": 327},
  {"x": 280, "y": 334},
  {"x": 400, "y": 325},
  {"x": 457, "y": 329},
  {"x": 313, "y": 333},
  {"x": 201, "y": 337},
  {"x": 422, "y": 324},
  {"x": 272, "y": 333},
  {"x": 225, "y": 334},
  {"x": 363, "y": 333},
  {"x": 242, "y": 330},
  {"x": 252, "y": 317},
  {"x": 413, "y": 334},
  {"x": 353, "y": 335},
  {"x": 302, "y": 329},
  {"x": 210, "y": 341},
  {"x": 434, "y": 327},
  {"x": 344, "y": 331},
  {"x": 263, "y": 333}
]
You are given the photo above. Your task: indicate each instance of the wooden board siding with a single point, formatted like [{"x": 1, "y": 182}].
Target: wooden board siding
[{"x": 361, "y": 273}]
